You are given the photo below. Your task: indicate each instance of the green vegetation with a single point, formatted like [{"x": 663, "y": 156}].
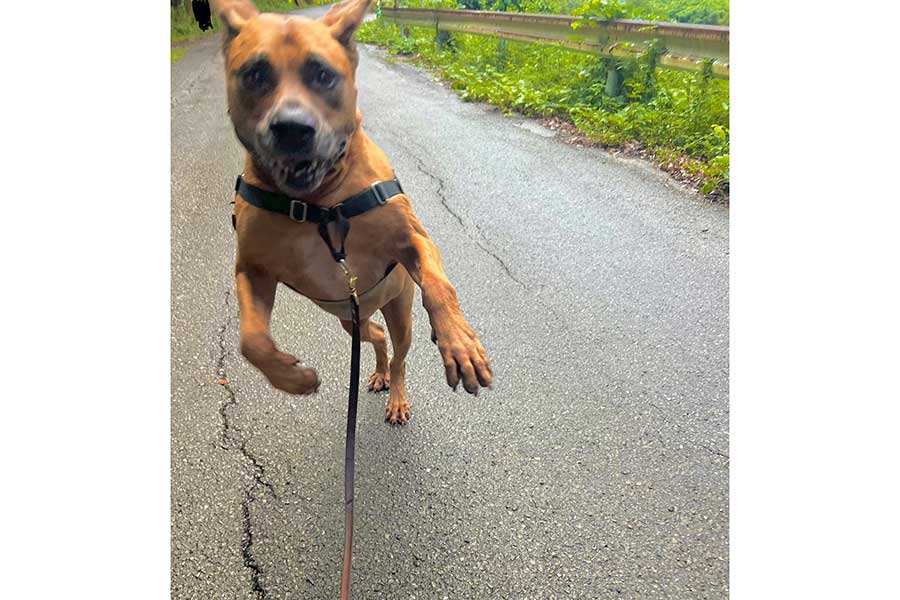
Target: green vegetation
[
  {"x": 709, "y": 12},
  {"x": 183, "y": 27},
  {"x": 680, "y": 120}
]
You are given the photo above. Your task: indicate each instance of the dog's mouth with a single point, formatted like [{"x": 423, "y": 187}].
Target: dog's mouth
[{"x": 303, "y": 174}]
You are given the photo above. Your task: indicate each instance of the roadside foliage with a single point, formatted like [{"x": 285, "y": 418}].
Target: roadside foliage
[
  {"x": 679, "y": 120},
  {"x": 183, "y": 27}
]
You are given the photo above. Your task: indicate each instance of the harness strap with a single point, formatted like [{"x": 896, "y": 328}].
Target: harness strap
[
  {"x": 304, "y": 212},
  {"x": 343, "y": 225}
]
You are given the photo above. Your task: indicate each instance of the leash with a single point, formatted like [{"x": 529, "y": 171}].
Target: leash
[
  {"x": 350, "y": 452},
  {"x": 339, "y": 255},
  {"x": 376, "y": 195}
]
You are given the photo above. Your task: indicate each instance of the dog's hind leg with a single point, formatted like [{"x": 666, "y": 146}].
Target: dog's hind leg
[
  {"x": 398, "y": 316},
  {"x": 370, "y": 331}
]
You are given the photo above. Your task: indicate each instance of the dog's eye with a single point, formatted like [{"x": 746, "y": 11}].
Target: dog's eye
[
  {"x": 258, "y": 77},
  {"x": 319, "y": 76},
  {"x": 325, "y": 78}
]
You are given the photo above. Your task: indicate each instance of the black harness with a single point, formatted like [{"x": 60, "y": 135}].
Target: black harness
[{"x": 303, "y": 212}]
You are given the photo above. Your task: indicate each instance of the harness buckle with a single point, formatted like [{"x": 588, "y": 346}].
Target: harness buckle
[
  {"x": 379, "y": 194},
  {"x": 351, "y": 279},
  {"x": 293, "y": 214}
]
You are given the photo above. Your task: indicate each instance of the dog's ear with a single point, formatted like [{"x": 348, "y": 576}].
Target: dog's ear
[
  {"x": 234, "y": 14},
  {"x": 345, "y": 18}
]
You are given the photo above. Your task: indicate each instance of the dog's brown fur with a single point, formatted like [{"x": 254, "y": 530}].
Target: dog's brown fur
[{"x": 272, "y": 248}]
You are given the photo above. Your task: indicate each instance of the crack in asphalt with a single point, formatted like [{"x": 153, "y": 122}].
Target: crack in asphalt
[
  {"x": 686, "y": 441},
  {"x": 440, "y": 192},
  {"x": 440, "y": 188},
  {"x": 246, "y": 544},
  {"x": 420, "y": 166},
  {"x": 711, "y": 450},
  {"x": 496, "y": 257},
  {"x": 232, "y": 441}
]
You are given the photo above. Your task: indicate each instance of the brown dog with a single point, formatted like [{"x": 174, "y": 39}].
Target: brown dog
[{"x": 292, "y": 98}]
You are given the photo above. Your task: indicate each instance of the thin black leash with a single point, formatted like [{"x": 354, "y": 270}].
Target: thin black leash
[
  {"x": 350, "y": 453},
  {"x": 376, "y": 195},
  {"x": 343, "y": 226}
]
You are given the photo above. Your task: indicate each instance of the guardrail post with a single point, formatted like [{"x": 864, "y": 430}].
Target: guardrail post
[
  {"x": 501, "y": 52},
  {"x": 613, "y": 80},
  {"x": 441, "y": 37}
]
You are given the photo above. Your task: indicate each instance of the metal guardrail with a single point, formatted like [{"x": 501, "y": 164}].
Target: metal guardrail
[{"x": 686, "y": 47}]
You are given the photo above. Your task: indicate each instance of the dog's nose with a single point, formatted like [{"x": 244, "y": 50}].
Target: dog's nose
[{"x": 291, "y": 135}]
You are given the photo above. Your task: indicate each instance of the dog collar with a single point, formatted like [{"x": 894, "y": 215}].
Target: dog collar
[{"x": 303, "y": 212}]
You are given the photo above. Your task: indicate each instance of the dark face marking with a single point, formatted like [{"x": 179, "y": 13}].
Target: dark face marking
[
  {"x": 322, "y": 79},
  {"x": 257, "y": 76}
]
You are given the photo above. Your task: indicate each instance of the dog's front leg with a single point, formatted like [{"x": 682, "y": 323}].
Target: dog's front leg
[
  {"x": 256, "y": 296},
  {"x": 463, "y": 355}
]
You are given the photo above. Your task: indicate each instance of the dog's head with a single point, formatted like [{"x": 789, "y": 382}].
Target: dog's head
[{"x": 291, "y": 84}]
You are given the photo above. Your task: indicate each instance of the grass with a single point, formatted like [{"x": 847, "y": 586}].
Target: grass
[
  {"x": 678, "y": 120},
  {"x": 184, "y": 29}
]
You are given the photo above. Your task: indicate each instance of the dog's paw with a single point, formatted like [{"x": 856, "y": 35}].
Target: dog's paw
[
  {"x": 281, "y": 369},
  {"x": 397, "y": 410},
  {"x": 296, "y": 380},
  {"x": 464, "y": 358},
  {"x": 379, "y": 381}
]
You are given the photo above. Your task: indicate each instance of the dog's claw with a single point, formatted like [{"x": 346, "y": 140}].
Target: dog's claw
[
  {"x": 379, "y": 382},
  {"x": 465, "y": 360},
  {"x": 397, "y": 412}
]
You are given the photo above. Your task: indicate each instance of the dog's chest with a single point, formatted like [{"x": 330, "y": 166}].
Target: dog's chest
[{"x": 302, "y": 261}]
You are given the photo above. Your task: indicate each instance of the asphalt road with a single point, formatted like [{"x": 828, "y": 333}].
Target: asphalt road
[{"x": 598, "y": 466}]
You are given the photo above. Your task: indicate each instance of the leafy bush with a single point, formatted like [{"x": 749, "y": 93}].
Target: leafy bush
[
  {"x": 183, "y": 26},
  {"x": 678, "y": 118},
  {"x": 710, "y": 12}
]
